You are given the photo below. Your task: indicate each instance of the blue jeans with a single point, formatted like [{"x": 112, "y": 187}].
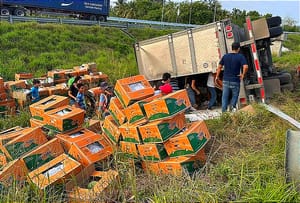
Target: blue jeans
[
  {"x": 234, "y": 88},
  {"x": 191, "y": 95},
  {"x": 213, "y": 96}
]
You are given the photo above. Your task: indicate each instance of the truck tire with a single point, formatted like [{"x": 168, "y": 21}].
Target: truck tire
[
  {"x": 287, "y": 87},
  {"x": 19, "y": 12},
  {"x": 93, "y": 18},
  {"x": 102, "y": 18},
  {"x": 274, "y": 21},
  {"x": 275, "y": 31},
  {"x": 4, "y": 11}
]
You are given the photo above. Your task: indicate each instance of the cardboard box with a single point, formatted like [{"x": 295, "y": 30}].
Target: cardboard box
[
  {"x": 43, "y": 154},
  {"x": 168, "y": 105},
  {"x": 3, "y": 96},
  {"x": 26, "y": 142},
  {"x": 162, "y": 130},
  {"x": 36, "y": 123},
  {"x": 189, "y": 141},
  {"x": 111, "y": 129},
  {"x": 58, "y": 170},
  {"x": 130, "y": 149},
  {"x": 117, "y": 111},
  {"x": 23, "y": 76},
  {"x": 152, "y": 152},
  {"x": 10, "y": 134},
  {"x": 132, "y": 89},
  {"x": 95, "y": 126},
  {"x": 65, "y": 118},
  {"x": 78, "y": 190},
  {"x": 180, "y": 165},
  {"x": 57, "y": 74},
  {"x": 15, "y": 85},
  {"x": 136, "y": 112},
  {"x": 69, "y": 138},
  {"x": 14, "y": 171},
  {"x": 3, "y": 160},
  {"x": 91, "y": 149},
  {"x": 59, "y": 89},
  {"x": 21, "y": 94},
  {"x": 130, "y": 132},
  {"x": 151, "y": 167},
  {"x": 8, "y": 106},
  {"x": 71, "y": 72},
  {"x": 81, "y": 70},
  {"x": 38, "y": 109}
]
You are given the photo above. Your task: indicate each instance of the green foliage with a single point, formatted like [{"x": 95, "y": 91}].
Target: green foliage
[{"x": 21, "y": 119}]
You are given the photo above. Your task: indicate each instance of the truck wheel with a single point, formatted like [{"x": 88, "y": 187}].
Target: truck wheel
[
  {"x": 275, "y": 31},
  {"x": 274, "y": 21},
  {"x": 5, "y": 11},
  {"x": 93, "y": 18},
  {"x": 19, "y": 12},
  {"x": 102, "y": 18},
  {"x": 287, "y": 87}
]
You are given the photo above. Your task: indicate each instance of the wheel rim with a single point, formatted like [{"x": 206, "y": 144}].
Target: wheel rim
[
  {"x": 4, "y": 12},
  {"x": 20, "y": 13}
]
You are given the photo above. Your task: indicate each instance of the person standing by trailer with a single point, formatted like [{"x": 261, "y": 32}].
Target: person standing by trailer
[
  {"x": 212, "y": 91},
  {"x": 232, "y": 76}
]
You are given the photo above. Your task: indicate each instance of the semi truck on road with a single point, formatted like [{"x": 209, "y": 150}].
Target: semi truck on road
[
  {"x": 197, "y": 51},
  {"x": 83, "y": 9}
]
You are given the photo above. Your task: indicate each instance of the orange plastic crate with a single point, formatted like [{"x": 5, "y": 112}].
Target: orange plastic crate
[
  {"x": 24, "y": 143},
  {"x": 58, "y": 170},
  {"x": 117, "y": 111},
  {"x": 91, "y": 149},
  {"x": 130, "y": 132},
  {"x": 190, "y": 141},
  {"x": 64, "y": 118},
  {"x": 136, "y": 111},
  {"x": 129, "y": 149},
  {"x": 168, "y": 105},
  {"x": 43, "y": 154},
  {"x": 67, "y": 139},
  {"x": 38, "y": 109},
  {"x": 13, "y": 171},
  {"x": 162, "y": 130},
  {"x": 183, "y": 164},
  {"x": 110, "y": 128},
  {"x": 152, "y": 152},
  {"x": 132, "y": 89}
]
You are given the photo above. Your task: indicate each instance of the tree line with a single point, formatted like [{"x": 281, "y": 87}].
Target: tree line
[{"x": 187, "y": 12}]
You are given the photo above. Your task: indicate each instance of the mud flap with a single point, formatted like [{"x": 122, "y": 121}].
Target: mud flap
[{"x": 292, "y": 154}]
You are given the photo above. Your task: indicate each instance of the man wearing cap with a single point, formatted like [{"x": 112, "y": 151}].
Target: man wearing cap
[{"x": 235, "y": 68}]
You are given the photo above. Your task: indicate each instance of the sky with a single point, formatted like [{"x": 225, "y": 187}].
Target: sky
[{"x": 284, "y": 9}]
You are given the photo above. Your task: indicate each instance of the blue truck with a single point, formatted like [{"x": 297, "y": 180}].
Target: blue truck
[{"x": 83, "y": 9}]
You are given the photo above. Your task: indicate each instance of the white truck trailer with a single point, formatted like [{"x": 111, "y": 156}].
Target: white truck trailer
[{"x": 197, "y": 51}]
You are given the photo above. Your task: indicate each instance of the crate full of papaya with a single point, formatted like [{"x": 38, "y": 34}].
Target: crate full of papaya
[{"x": 132, "y": 89}]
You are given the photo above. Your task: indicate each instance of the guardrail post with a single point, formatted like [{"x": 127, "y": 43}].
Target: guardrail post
[
  {"x": 60, "y": 21},
  {"x": 11, "y": 19}
]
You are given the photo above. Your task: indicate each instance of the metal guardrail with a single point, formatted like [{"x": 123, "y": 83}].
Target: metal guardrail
[{"x": 111, "y": 22}]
